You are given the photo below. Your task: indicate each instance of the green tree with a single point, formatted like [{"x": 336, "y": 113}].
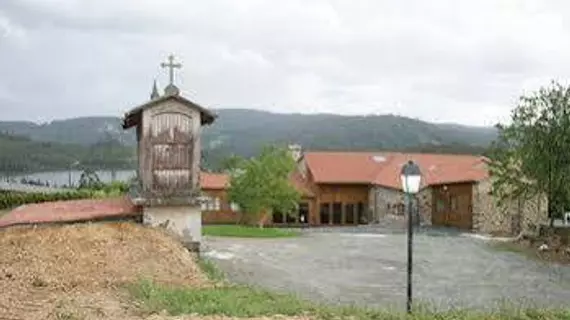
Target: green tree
[
  {"x": 532, "y": 153},
  {"x": 261, "y": 185},
  {"x": 231, "y": 163}
]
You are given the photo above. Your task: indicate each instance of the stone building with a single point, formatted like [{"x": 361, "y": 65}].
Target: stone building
[{"x": 348, "y": 188}]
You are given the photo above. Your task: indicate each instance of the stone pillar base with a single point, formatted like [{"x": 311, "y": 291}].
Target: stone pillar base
[{"x": 184, "y": 222}]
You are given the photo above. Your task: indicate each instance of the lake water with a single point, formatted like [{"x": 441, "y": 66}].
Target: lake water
[{"x": 60, "y": 178}]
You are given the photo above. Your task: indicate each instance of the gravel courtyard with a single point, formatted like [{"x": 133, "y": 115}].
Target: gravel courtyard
[{"x": 368, "y": 266}]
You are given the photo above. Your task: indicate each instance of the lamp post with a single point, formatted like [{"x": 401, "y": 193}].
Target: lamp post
[{"x": 411, "y": 179}]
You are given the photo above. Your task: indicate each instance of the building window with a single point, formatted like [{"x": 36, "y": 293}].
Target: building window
[
  {"x": 453, "y": 203},
  {"x": 337, "y": 213},
  {"x": 291, "y": 218},
  {"x": 401, "y": 209},
  {"x": 440, "y": 205},
  {"x": 217, "y": 204},
  {"x": 304, "y": 212},
  {"x": 204, "y": 204},
  {"x": 234, "y": 206},
  {"x": 360, "y": 213},
  {"x": 210, "y": 204},
  {"x": 325, "y": 217},
  {"x": 349, "y": 213}
]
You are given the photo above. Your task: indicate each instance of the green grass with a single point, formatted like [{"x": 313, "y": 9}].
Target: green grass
[
  {"x": 237, "y": 301},
  {"x": 246, "y": 232},
  {"x": 211, "y": 270},
  {"x": 245, "y": 301}
]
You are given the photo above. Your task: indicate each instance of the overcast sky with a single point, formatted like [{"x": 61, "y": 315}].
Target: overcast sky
[{"x": 442, "y": 61}]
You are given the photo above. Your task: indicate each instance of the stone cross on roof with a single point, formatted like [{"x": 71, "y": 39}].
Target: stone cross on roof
[{"x": 171, "y": 66}]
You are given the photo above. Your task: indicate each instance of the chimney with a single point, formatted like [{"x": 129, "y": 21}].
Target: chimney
[{"x": 296, "y": 151}]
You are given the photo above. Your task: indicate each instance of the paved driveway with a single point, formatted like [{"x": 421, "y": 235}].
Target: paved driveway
[{"x": 368, "y": 266}]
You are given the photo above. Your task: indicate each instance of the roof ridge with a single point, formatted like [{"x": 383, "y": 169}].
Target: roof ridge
[{"x": 474, "y": 156}]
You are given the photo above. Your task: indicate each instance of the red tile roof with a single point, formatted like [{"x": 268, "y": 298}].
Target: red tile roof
[
  {"x": 383, "y": 168},
  {"x": 220, "y": 181},
  {"x": 375, "y": 168},
  {"x": 214, "y": 181},
  {"x": 342, "y": 167},
  {"x": 71, "y": 211}
]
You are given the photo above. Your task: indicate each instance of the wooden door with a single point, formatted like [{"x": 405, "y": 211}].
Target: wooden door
[
  {"x": 461, "y": 210},
  {"x": 452, "y": 206},
  {"x": 439, "y": 210}
]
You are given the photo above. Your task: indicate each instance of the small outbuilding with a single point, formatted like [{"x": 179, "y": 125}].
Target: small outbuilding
[{"x": 168, "y": 132}]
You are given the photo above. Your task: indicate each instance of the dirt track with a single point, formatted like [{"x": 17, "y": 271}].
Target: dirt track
[{"x": 368, "y": 266}]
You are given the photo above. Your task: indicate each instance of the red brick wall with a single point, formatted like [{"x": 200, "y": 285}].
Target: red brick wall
[
  {"x": 229, "y": 217},
  {"x": 220, "y": 217}
]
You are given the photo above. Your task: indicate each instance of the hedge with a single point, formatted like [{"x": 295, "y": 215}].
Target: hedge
[{"x": 10, "y": 200}]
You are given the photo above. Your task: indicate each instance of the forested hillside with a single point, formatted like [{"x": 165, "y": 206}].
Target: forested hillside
[
  {"x": 244, "y": 131},
  {"x": 84, "y": 131},
  {"x": 100, "y": 141},
  {"x": 20, "y": 154}
]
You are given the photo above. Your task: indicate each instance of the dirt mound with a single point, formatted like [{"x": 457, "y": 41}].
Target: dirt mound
[{"x": 41, "y": 268}]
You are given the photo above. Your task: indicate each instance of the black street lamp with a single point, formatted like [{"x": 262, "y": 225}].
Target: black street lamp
[{"x": 411, "y": 179}]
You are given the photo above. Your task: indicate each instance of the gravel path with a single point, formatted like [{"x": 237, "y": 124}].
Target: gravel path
[{"x": 367, "y": 266}]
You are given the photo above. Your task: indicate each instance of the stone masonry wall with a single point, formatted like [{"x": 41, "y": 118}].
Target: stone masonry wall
[
  {"x": 511, "y": 218},
  {"x": 388, "y": 203},
  {"x": 425, "y": 199},
  {"x": 535, "y": 213},
  {"x": 487, "y": 217}
]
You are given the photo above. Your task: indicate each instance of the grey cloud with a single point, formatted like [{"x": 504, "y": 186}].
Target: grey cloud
[{"x": 435, "y": 60}]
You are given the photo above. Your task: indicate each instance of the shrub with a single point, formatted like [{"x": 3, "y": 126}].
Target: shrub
[{"x": 14, "y": 199}]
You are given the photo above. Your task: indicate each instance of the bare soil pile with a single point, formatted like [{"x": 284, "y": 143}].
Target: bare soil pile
[
  {"x": 79, "y": 271},
  {"x": 44, "y": 269}
]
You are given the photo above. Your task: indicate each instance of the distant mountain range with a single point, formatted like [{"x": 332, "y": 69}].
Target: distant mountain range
[{"x": 243, "y": 132}]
